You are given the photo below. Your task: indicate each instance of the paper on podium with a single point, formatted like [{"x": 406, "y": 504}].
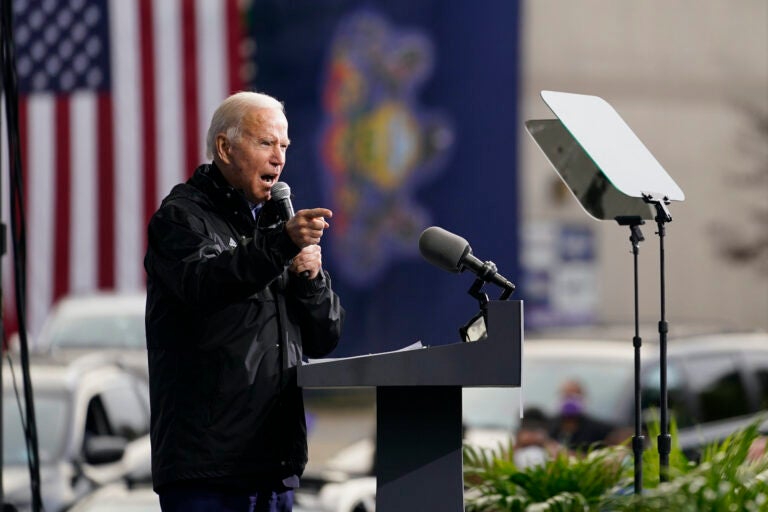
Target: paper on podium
[{"x": 413, "y": 346}]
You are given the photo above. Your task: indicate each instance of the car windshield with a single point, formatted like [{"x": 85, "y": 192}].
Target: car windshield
[
  {"x": 104, "y": 331},
  {"x": 51, "y": 417},
  {"x": 602, "y": 381}
]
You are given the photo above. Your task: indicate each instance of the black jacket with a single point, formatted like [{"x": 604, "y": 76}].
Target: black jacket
[{"x": 226, "y": 326}]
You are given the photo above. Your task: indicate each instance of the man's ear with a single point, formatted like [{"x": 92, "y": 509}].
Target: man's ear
[{"x": 222, "y": 147}]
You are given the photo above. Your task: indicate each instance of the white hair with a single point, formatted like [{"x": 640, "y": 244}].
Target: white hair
[{"x": 229, "y": 115}]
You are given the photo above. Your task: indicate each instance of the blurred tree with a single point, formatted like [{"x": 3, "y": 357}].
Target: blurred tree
[{"x": 746, "y": 243}]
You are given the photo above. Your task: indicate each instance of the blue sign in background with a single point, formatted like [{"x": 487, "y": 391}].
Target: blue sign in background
[{"x": 402, "y": 115}]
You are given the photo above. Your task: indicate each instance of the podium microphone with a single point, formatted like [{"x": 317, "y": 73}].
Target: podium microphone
[{"x": 451, "y": 252}]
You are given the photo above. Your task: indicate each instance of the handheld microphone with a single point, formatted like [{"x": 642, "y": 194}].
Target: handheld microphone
[
  {"x": 281, "y": 195},
  {"x": 451, "y": 252}
]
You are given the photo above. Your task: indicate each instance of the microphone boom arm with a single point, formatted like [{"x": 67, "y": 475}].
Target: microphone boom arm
[
  {"x": 484, "y": 275},
  {"x": 487, "y": 273}
]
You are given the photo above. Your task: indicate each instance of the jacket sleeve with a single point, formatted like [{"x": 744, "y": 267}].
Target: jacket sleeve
[
  {"x": 192, "y": 262},
  {"x": 321, "y": 315}
]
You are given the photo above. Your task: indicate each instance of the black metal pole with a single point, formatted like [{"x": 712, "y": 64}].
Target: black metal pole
[
  {"x": 664, "y": 439},
  {"x": 638, "y": 440},
  {"x": 10, "y": 89}
]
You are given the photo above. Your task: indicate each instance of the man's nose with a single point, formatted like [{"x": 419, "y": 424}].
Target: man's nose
[{"x": 278, "y": 156}]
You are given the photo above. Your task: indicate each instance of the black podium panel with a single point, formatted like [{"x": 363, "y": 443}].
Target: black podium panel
[
  {"x": 418, "y": 413},
  {"x": 420, "y": 447},
  {"x": 494, "y": 361}
]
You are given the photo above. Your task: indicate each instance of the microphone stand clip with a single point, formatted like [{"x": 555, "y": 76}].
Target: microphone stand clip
[{"x": 476, "y": 328}]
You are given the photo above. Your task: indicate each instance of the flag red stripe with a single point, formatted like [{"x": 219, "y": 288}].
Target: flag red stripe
[
  {"x": 61, "y": 198},
  {"x": 190, "y": 92},
  {"x": 149, "y": 127},
  {"x": 234, "y": 51},
  {"x": 105, "y": 191}
]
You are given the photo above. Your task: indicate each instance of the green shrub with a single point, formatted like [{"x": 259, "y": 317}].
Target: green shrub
[
  {"x": 564, "y": 484},
  {"x": 725, "y": 480},
  {"x": 678, "y": 462}
]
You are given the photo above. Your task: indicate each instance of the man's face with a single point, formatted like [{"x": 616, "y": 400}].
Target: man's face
[{"x": 253, "y": 162}]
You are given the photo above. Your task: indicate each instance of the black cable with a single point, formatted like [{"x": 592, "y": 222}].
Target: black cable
[
  {"x": 18, "y": 230},
  {"x": 18, "y": 398}
]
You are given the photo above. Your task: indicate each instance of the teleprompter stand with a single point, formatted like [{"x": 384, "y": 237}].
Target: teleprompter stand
[
  {"x": 665, "y": 439},
  {"x": 638, "y": 440},
  {"x": 418, "y": 407},
  {"x": 614, "y": 177}
]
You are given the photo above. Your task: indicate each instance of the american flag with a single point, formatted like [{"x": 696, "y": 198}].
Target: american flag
[{"x": 115, "y": 99}]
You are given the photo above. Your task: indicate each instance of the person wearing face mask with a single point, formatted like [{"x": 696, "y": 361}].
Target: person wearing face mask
[
  {"x": 533, "y": 446},
  {"x": 236, "y": 296},
  {"x": 573, "y": 427}
]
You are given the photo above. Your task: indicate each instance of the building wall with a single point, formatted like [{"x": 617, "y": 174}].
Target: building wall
[{"x": 690, "y": 78}]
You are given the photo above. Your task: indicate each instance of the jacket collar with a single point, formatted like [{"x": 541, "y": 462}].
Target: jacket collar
[{"x": 209, "y": 179}]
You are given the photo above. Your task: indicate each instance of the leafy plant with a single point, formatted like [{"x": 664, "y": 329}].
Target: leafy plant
[
  {"x": 564, "y": 484},
  {"x": 678, "y": 462},
  {"x": 729, "y": 478},
  {"x": 486, "y": 475},
  {"x": 725, "y": 480}
]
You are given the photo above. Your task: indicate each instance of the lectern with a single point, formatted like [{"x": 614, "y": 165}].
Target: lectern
[{"x": 418, "y": 409}]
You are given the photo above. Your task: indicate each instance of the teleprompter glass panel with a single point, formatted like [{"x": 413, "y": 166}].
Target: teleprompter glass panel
[
  {"x": 612, "y": 145},
  {"x": 584, "y": 179}
]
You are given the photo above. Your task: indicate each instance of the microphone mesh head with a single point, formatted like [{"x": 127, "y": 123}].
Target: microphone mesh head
[
  {"x": 442, "y": 248},
  {"x": 280, "y": 191}
]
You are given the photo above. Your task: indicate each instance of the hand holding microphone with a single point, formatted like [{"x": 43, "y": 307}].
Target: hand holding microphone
[{"x": 305, "y": 228}]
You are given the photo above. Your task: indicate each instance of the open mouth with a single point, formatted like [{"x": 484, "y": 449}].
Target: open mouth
[{"x": 269, "y": 179}]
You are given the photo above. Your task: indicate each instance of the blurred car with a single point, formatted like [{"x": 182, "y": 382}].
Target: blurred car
[
  {"x": 92, "y": 428},
  {"x": 353, "y": 495},
  {"x": 119, "y": 497},
  {"x": 112, "y": 323},
  {"x": 717, "y": 383},
  {"x": 126, "y": 497}
]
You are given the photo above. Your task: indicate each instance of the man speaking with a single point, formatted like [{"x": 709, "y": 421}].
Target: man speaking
[{"x": 236, "y": 294}]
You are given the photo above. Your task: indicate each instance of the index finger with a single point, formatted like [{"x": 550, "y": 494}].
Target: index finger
[{"x": 318, "y": 212}]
